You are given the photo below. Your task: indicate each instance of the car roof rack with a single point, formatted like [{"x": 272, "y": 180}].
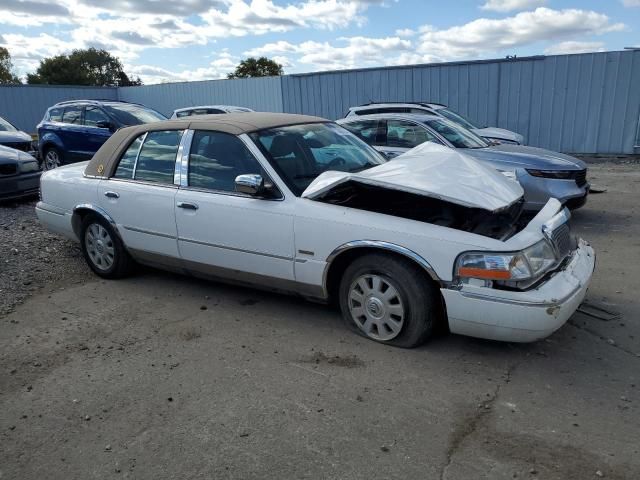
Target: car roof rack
[
  {"x": 423, "y": 104},
  {"x": 94, "y": 101}
]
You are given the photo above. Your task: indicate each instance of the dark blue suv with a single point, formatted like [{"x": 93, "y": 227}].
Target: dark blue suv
[{"x": 73, "y": 131}]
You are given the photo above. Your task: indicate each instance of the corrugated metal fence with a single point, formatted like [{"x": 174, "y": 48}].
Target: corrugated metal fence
[
  {"x": 261, "y": 94},
  {"x": 586, "y": 103},
  {"x": 24, "y": 106}
]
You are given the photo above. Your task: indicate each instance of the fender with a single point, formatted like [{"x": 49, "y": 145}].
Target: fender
[
  {"x": 77, "y": 217},
  {"x": 379, "y": 245},
  {"x": 50, "y": 138}
]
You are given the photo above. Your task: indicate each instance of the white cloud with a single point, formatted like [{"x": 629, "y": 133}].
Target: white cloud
[
  {"x": 511, "y": 5},
  {"x": 631, "y": 3},
  {"x": 574, "y": 47},
  {"x": 405, "y": 32},
  {"x": 476, "y": 39},
  {"x": 485, "y": 36}
]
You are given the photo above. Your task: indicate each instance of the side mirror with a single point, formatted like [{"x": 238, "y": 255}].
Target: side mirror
[
  {"x": 251, "y": 184},
  {"x": 104, "y": 124}
]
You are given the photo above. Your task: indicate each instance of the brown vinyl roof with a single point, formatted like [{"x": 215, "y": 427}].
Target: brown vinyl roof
[{"x": 104, "y": 162}]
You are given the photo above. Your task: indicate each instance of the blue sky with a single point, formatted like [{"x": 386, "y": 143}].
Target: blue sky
[{"x": 164, "y": 40}]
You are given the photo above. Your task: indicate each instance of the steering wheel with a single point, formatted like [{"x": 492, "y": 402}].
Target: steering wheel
[{"x": 336, "y": 162}]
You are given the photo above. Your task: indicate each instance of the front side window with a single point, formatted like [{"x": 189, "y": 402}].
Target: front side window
[
  {"x": 129, "y": 114},
  {"x": 456, "y": 135},
  {"x": 157, "y": 159},
  {"x": 6, "y": 126},
  {"x": 72, "y": 115},
  {"x": 217, "y": 158},
  {"x": 299, "y": 153},
  {"x": 371, "y": 131},
  {"x": 128, "y": 159},
  {"x": 93, "y": 116},
  {"x": 406, "y": 134}
]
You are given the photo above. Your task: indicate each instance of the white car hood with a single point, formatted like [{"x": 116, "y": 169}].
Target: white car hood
[
  {"x": 433, "y": 171},
  {"x": 499, "y": 133}
]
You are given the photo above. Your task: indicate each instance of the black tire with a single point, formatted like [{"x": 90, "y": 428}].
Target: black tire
[
  {"x": 121, "y": 263},
  {"x": 418, "y": 297},
  {"x": 46, "y": 163}
]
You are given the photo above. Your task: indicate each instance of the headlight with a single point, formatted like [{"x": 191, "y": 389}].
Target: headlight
[
  {"x": 28, "y": 167},
  {"x": 525, "y": 265},
  {"x": 558, "y": 174}
]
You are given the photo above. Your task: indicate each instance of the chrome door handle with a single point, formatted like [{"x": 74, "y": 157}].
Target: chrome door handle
[
  {"x": 112, "y": 194},
  {"x": 187, "y": 206}
]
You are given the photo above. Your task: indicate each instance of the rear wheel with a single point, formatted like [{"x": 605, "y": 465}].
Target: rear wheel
[
  {"x": 102, "y": 248},
  {"x": 52, "y": 158},
  {"x": 390, "y": 300}
]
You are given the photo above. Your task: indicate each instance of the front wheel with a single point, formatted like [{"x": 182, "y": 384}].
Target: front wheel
[
  {"x": 389, "y": 299},
  {"x": 52, "y": 158},
  {"x": 102, "y": 248}
]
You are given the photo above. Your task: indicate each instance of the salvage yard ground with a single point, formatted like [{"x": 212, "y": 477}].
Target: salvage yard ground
[{"x": 164, "y": 377}]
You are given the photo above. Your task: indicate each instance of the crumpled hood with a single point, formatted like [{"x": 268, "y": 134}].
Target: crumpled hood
[
  {"x": 433, "y": 171},
  {"x": 14, "y": 137},
  {"x": 520, "y": 156},
  {"x": 499, "y": 133}
]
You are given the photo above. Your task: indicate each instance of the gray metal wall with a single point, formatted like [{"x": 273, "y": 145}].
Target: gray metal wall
[
  {"x": 587, "y": 103},
  {"x": 261, "y": 94},
  {"x": 24, "y": 105}
]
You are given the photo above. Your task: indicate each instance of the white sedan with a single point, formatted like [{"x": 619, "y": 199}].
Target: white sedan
[{"x": 297, "y": 204}]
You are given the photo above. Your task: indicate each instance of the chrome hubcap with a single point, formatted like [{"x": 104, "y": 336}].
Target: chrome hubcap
[
  {"x": 99, "y": 246},
  {"x": 376, "y": 307},
  {"x": 51, "y": 160}
]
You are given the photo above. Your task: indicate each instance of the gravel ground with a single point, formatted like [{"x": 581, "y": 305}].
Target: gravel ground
[{"x": 32, "y": 259}]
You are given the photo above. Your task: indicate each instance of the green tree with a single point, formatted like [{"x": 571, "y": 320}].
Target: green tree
[
  {"x": 260, "y": 67},
  {"x": 7, "y": 77},
  {"x": 82, "y": 67}
]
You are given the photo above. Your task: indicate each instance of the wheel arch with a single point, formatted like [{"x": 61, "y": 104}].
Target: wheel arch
[
  {"x": 342, "y": 256},
  {"x": 84, "y": 209}
]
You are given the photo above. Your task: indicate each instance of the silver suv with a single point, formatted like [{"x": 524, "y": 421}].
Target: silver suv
[{"x": 493, "y": 134}]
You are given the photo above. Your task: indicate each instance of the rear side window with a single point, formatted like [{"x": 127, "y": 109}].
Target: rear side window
[
  {"x": 185, "y": 113},
  {"x": 128, "y": 160},
  {"x": 55, "y": 114},
  {"x": 157, "y": 159},
  {"x": 72, "y": 115},
  {"x": 371, "y": 131}
]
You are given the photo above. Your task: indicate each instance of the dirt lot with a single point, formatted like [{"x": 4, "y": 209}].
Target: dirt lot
[{"x": 165, "y": 377}]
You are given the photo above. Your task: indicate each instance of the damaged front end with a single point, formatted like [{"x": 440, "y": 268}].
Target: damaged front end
[{"x": 501, "y": 224}]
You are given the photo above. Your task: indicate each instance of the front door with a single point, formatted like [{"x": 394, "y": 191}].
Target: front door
[
  {"x": 225, "y": 233},
  {"x": 140, "y": 196}
]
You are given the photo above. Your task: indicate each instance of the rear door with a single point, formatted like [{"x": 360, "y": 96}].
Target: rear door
[{"x": 140, "y": 196}]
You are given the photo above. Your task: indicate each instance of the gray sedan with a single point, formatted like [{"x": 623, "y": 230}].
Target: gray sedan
[
  {"x": 543, "y": 174},
  {"x": 19, "y": 174}
]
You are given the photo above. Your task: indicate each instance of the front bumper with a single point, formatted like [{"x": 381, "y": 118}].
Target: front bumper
[
  {"x": 538, "y": 191},
  {"x": 522, "y": 316},
  {"x": 19, "y": 186}
]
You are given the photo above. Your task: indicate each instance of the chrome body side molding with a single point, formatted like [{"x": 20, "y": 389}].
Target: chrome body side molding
[{"x": 380, "y": 245}]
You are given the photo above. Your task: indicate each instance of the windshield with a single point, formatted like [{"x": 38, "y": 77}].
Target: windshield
[
  {"x": 299, "y": 153},
  {"x": 456, "y": 135},
  {"x": 128, "y": 114},
  {"x": 456, "y": 118},
  {"x": 6, "y": 126}
]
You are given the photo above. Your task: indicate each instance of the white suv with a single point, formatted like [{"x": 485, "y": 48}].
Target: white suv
[{"x": 493, "y": 134}]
